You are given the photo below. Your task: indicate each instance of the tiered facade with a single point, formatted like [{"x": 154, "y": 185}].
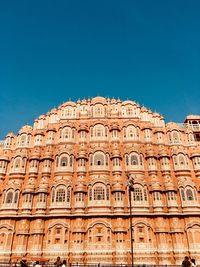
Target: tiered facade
[{"x": 63, "y": 186}]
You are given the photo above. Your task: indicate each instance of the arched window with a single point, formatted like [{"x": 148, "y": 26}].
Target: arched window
[
  {"x": 8, "y": 142},
  {"x": 99, "y": 131},
  {"x": 23, "y": 162},
  {"x": 98, "y": 110},
  {"x": 139, "y": 194},
  {"x": 57, "y": 161},
  {"x": 175, "y": 137},
  {"x": 17, "y": 163},
  {"x": 107, "y": 159},
  {"x": 68, "y": 112},
  {"x": 60, "y": 195},
  {"x": 90, "y": 193},
  {"x": 183, "y": 194},
  {"x": 191, "y": 138},
  {"x": 99, "y": 193},
  {"x": 53, "y": 195},
  {"x": 50, "y": 137},
  {"x": 16, "y": 197},
  {"x": 147, "y": 134},
  {"x": 141, "y": 160},
  {"x": 189, "y": 194},
  {"x": 196, "y": 162},
  {"x": 108, "y": 192},
  {"x": 9, "y": 197},
  {"x": 23, "y": 139},
  {"x": 66, "y": 133},
  {"x": 127, "y": 159},
  {"x": 63, "y": 161},
  {"x": 131, "y": 132},
  {"x": 175, "y": 161},
  {"x": 182, "y": 162},
  {"x": 68, "y": 194},
  {"x": 38, "y": 139},
  {"x": 71, "y": 161},
  {"x": 129, "y": 111},
  {"x": 99, "y": 159},
  {"x": 134, "y": 160},
  {"x": 91, "y": 159}
]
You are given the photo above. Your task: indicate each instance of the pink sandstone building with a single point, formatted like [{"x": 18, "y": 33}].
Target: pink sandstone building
[{"x": 63, "y": 186}]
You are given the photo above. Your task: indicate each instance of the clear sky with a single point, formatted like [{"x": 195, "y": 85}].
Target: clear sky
[{"x": 52, "y": 51}]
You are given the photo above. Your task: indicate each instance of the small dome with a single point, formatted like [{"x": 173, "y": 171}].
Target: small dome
[
  {"x": 163, "y": 153},
  {"x": 195, "y": 154},
  {"x": 98, "y": 99},
  {"x": 150, "y": 153},
  {"x": 128, "y": 102},
  {"x": 43, "y": 187},
  {"x": 35, "y": 155},
  {"x": 53, "y": 111},
  {"x": 47, "y": 155},
  {"x": 3, "y": 157},
  {"x": 68, "y": 103},
  {"x": 114, "y": 126},
  {"x": 173, "y": 126},
  {"x": 82, "y": 154},
  {"x": 11, "y": 134},
  {"x": 84, "y": 102},
  {"x": 25, "y": 129},
  {"x": 80, "y": 188},
  {"x": 143, "y": 109},
  {"x": 83, "y": 127},
  {"x": 116, "y": 154},
  {"x": 29, "y": 188},
  {"x": 117, "y": 187}
]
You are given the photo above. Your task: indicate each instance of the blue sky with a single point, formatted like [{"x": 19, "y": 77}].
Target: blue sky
[{"x": 52, "y": 51}]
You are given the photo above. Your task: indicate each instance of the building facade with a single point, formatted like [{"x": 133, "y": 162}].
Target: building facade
[{"x": 63, "y": 186}]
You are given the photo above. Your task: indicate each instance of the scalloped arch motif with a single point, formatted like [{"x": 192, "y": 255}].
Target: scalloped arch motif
[{"x": 71, "y": 181}]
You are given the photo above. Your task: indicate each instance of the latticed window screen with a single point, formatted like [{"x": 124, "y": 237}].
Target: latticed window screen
[
  {"x": 60, "y": 195},
  {"x": 79, "y": 197},
  {"x": 182, "y": 160},
  {"x": 41, "y": 197},
  {"x": 137, "y": 194},
  {"x": 171, "y": 195},
  {"x": 107, "y": 193},
  {"x": 90, "y": 194},
  {"x": 66, "y": 133},
  {"x": 118, "y": 196},
  {"x": 99, "y": 193},
  {"x": 68, "y": 195},
  {"x": 27, "y": 198},
  {"x": 99, "y": 131},
  {"x": 145, "y": 194}
]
